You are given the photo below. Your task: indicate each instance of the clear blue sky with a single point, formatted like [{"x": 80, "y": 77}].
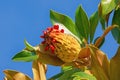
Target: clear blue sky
[{"x": 26, "y": 19}]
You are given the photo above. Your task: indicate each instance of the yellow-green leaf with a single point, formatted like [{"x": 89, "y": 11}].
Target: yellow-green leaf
[
  {"x": 115, "y": 66},
  {"x": 67, "y": 75},
  {"x": 28, "y": 46},
  {"x": 108, "y": 5},
  {"x": 66, "y": 68},
  {"x": 15, "y": 75},
  {"x": 83, "y": 76}
]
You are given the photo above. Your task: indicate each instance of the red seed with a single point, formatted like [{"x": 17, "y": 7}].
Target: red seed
[
  {"x": 52, "y": 48},
  {"x": 42, "y": 36},
  {"x": 46, "y": 48},
  {"x": 56, "y": 27},
  {"x": 62, "y": 30},
  {"x": 49, "y": 29},
  {"x": 44, "y": 32},
  {"x": 53, "y": 40},
  {"x": 52, "y": 51}
]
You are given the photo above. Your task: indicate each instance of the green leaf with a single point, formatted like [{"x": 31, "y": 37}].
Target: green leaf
[
  {"x": 108, "y": 6},
  {"x": 63, "y": 19},
  {"x": 56, "y": 76},
  {"x": 114, "y": 66},
  {"x": 28, "y": 46},
  {"x": 82, "y": 23},
  {"x": 83, "y": 76},
  {"x": 78, "y": 78},
  {"x": 25, "y": 56},
  {"x": 94, "y": 19},
  {"x": 116, "y": 34},
  {"x": 66, "y": 68},
  {"x": 116, "y": 21},
  {"x": 75, "y": 74},
  {"x": 103, "y": 18},
  {"x": 103, "y": 23},
  {"x": 68, "y": 74}
]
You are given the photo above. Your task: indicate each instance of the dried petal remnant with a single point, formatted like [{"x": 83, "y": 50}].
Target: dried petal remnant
[{"x": 62, "y": 45}]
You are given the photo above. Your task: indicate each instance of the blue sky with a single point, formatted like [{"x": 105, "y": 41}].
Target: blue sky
[{"x": 26, "y": 19}]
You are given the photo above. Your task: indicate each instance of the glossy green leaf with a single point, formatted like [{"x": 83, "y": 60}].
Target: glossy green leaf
[
  {"x": 116, "y": 21},
  {"x": 63, "y": 19},
  {"x": 28, "y": 46},
  {"x": 108, "y": 6},
  {"x": 82, "y": 23},
  {"x": 115, "y": 66},
  {"x": 25, "y": 56},
  {"x": 83, "y": 76},
  {"x": 94, "y": 19}
]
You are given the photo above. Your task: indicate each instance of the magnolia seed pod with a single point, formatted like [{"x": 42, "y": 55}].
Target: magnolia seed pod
[{"x": 64, "y": 46}]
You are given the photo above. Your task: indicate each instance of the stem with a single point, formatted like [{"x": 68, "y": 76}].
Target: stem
[{"x": 99, "y": 40}]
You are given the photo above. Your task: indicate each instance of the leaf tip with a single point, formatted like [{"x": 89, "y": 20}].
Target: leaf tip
[{"x": 28, "y": 46}]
